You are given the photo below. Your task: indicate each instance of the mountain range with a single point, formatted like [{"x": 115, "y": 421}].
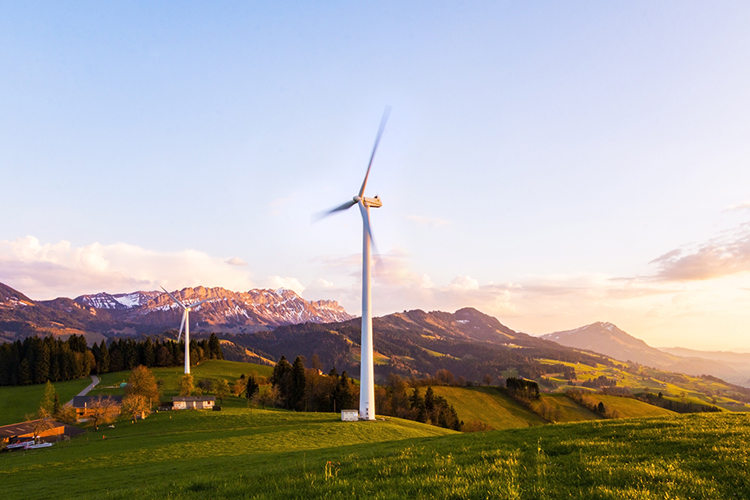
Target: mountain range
[
  {"x": 154, "y": 312},
  {"x": 265, "y": 324},
  {"x": 607, "y": 339}
]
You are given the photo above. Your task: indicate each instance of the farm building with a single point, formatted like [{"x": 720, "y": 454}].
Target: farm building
[
  {"x": 193, "y": 402},
  {"x": 85, "y": 406},
  {"x": 23, "y": 431}
]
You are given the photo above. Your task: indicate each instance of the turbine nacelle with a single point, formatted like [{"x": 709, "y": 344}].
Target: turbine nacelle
[{"x": 369, "y": 202}]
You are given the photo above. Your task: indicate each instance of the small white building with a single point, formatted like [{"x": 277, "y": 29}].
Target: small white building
[
  {"x": 349, "y": 415},
  {"x": 193, "y": 402}
]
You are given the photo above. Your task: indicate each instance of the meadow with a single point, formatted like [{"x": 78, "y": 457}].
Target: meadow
[
  {"x": 257, "y": 454},
  {"x": 18, "y": 401}
]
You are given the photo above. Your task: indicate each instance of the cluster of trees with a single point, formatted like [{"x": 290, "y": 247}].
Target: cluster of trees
[
  {"x": 677, "y": 406},
  {"x": 295, "y": 387},
  {"x": 394, "y": 399},
  {"x": 599, "y": 382},
  {"x": 36, "y": 360},
  {"x": 521, "y": 389},
  {"x": 125, "y": 354}
]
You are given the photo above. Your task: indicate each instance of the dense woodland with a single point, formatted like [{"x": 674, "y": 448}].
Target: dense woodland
[{"x": 36, "y": 360}]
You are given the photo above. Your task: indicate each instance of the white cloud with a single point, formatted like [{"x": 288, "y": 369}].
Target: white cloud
[
  {"x": 276, "y": 282},
  {"x": 236, "y": 261},
  {"x": 49, "y": 270}
]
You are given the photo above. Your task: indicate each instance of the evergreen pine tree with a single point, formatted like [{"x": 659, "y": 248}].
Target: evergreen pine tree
[{"x": 298, "y": 385}]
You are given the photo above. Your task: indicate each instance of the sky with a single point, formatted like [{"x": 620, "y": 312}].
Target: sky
[{"x": 551, "y": 164}]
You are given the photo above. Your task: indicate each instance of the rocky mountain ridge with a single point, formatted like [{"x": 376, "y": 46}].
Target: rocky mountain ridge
[{"x": 153, "y": 312}]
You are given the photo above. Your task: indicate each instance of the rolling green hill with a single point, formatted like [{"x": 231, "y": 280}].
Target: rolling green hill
[
  {"x": 258, "y": 454},
  {"x": 213, "y": 370},
  {"x": 489, "y": 406}
]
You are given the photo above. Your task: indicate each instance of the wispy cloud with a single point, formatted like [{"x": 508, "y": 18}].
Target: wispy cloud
[
  {"x": 236, "y": 261},
  {"x": 724, "y": 255},
  {"x": 738, "y": 207},
  {"x": 49, "y": 270}
]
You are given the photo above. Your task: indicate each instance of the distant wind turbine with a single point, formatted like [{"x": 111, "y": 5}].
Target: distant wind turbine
[
  {"x": 186, "y": 325},
  {"x": 367, "y": 368}
]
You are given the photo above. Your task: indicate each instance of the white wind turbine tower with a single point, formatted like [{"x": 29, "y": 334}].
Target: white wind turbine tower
[
  {"x": 186, "y": 325},
  {"x": 367, "y": 370}
]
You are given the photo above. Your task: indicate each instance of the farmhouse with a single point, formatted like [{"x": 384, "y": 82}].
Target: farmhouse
[
  {"x": 85, "y": 406},
  {"x": 24, "y": 431},
  {"x": 193, "y": 402}
]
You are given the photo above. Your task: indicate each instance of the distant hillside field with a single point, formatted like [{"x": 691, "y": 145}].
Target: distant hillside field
[
  {"x": 18, "y": 401},
  {"x": 242, "y": 453},
  {"x": 489, "y": 406},
  {"x": 213, "y": 370}
]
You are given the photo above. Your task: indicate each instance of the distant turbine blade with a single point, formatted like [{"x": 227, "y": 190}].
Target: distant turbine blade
[
  {"x": 173, "y": 298},
  {"x": 182, "y": 325},
  {"x": 345, "y": 206},
  {"x": 386, "y": 113},
  {"x": 199, "y": 303}
]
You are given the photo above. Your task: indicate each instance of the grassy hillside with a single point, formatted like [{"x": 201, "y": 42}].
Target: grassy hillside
[
  {"x": 630, "y": 407},
  {"x": 18, "y": 401},
  {"x": 559, "y": 408},
  {"x": 489, "y": 406},
  {"x": 213, "y": 370},
  {"x": 171, "y": 445},
  {"x": 281, "y": 455},
  {"x": 644, "y": 379}
]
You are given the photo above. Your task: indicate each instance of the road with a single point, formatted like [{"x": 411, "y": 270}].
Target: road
[{"x": 94, "y": 381}]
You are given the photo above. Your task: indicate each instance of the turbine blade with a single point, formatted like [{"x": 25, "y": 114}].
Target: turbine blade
[
  {"x": 368, "y": 228},
  {"x": 182, "y": 325},
  {"x": 345, "y": 206},
  {"x": 173, "y": 297},
  {"x": 386, "y": 113}
]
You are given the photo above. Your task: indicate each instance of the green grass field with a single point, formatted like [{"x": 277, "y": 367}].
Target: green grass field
[
  {"x": 213, "y": 370},
  {"x": 630, "y": 407},
  {"x": 489, "y": 406},
  {"x": 18, "y": 401},
  {"x": 258, "y": 454},
  {"x": 564, "y": 409}
]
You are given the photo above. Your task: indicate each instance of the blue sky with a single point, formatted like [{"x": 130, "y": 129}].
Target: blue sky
[{"x": 539, "y": 159}]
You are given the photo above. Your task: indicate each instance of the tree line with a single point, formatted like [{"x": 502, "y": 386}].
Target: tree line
[
  {"x": 37, "y": 360},
  {"x": 295, "y": 387}
]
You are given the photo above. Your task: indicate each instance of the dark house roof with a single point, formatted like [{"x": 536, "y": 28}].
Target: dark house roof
[
  {"x": 20, "y": 429},
  {"x": 194, "y": 398},
  {"x": 86, "y": 401}
]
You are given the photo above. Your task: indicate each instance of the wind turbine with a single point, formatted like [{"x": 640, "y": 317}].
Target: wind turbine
[
  {"x": 367, "y": 368},
  {"x": 186, "y": 325}
]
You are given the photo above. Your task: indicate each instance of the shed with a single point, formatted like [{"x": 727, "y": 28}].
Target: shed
[{"x": 349, "y": 415}]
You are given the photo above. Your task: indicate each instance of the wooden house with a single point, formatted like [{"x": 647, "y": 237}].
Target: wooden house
[{"x": 85, "y": 406}]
